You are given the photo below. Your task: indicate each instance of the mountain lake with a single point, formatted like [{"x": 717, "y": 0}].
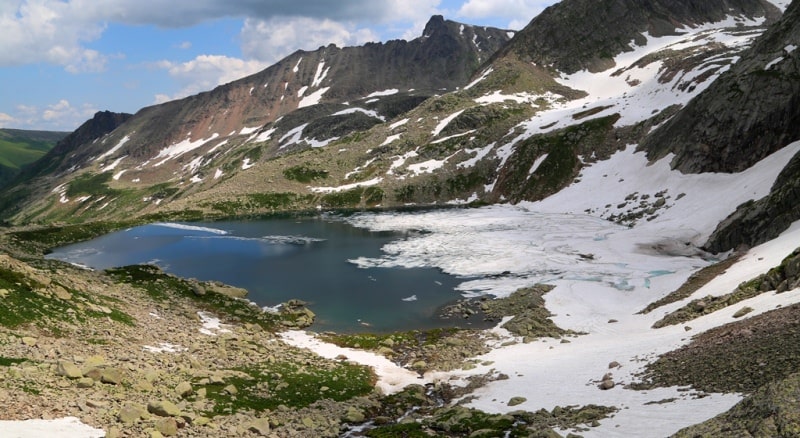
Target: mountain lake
[{"x": 280, "y": 259}]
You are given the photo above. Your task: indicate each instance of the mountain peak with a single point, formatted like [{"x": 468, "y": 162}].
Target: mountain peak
[{"x": 436, "y": 23}]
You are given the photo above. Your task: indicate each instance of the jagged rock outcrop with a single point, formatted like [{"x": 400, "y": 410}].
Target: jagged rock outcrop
[
  {"x": 575, "y": 35},
  {"x": 749, "y": 112}
]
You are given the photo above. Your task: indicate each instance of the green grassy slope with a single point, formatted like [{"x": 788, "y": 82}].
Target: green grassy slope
[{"x": 19, "y": 148}]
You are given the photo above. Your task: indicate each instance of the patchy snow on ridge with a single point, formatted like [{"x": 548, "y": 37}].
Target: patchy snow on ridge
[
  {"x": 114, "y": 149},
  {"x": 483, "y": 76},
  {"x": 370, "y": 113},
  {"x": 383, "y": 93},
  {"x": 313, "y": 98},
  {"x": 634, "y": 90},
  {"x": 446, "y": 121},
  {"x": 346, "y": 187},
  {"x": 177, "y": 149},
  {"x": 293, "y": 136},
  {"x": 320, "y": 75},
  {"x": 398, "y": 124}
]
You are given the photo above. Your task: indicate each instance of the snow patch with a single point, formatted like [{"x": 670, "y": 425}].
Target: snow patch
[
  {"x": 346, "y": 187},
  {"x": 313, "y": 98},
  {"x": 320, "y": 75},
  {"x": 178, "y": 149},
  {"x": 537, "y": 163},
  {"x": 113, "y": 165},
  {"x": 398, "y": 124},
  {"x": 446, "y": 121},
  {"x": 117, "y": 147},
  {"x": 391, "y": 139},
  {"x": 67, "y": 427},
  {"x": 388, "y": 92},
  {"x": 294, "y": 135},
  {"x": 483, "y": 76},
  {"x": 212, "y": 325},
  {"x": 370, "y": 113},
  {"x": 391, "y": 377}
]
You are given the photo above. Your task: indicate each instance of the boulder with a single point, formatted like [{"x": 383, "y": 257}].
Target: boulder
[
  {"x": 517, "y": 401},
  {"x": 163, "y": 408},
  {"x": 259, "y": 426},
  {"x": 68, "y": 370},
  {"x": 184, "y": 389},
  {"x": 354, "y": 415},
  {"x": 129, "y": 413},
  {"x": 167, "y": 426},
  {"x": 112, "y": 376}
]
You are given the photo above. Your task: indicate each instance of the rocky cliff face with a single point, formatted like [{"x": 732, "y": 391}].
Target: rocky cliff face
[
  {"x": 746, "y": 115},
  {"x": 443, "y": 58},
  {"x": 575, "y": 35}
]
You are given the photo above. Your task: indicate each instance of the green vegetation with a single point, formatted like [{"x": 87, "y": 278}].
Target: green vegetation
[
  {"x": 304, "y": 173},
  {"x": 260, "y": 203},
  {"x": 18, "y": 148},
  {"x": 9, "y": 361},
  {"x": 460, "y": 421},
  {"x": 349, "y": 198},
  {"x": 26, "y": 300},
  {"x": 269, "y": 385},
  {"x": 560, "y": 166},
  {"x": 41, "y": 240},
  {"x": 370, "y": 341},
  {"x": 90, "y": 184},
  {"x": 164, "y": 287}
]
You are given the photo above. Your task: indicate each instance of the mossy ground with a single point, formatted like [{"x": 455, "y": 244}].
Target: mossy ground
[{"x": 270, "y": 385}]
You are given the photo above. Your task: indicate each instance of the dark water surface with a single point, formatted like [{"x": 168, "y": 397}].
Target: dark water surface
[{"x": 280, "y": 259}]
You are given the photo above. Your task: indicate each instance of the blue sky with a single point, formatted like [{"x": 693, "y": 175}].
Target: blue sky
[{"x": 63, "y": 60}]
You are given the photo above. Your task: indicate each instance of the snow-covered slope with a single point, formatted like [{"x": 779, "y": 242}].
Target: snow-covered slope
[{"x": 604, "y": 274}]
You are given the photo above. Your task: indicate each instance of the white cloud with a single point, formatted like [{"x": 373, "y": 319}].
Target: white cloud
[
  {"x": 6, "y": 120},
  {"x": 48, "y": 31},
  {"x": 271, "y": 40},
  {"x": 206, "y": 72},
  {"x": 518, "y": 13},
  {"x": 58, "y": 116}
]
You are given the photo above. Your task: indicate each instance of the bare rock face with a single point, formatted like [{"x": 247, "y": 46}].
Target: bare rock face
[
  {"x": 574, "y": 35},
  {"x": 748, "y": 113}
]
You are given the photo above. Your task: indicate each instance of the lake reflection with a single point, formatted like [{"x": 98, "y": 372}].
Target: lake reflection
[{"x": 280, "y": 259}]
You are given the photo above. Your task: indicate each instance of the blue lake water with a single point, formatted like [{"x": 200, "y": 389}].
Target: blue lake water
[{"x": 280, "y": 259}]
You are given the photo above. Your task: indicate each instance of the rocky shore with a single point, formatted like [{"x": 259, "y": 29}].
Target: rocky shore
[{"x": 137, "y": 352}]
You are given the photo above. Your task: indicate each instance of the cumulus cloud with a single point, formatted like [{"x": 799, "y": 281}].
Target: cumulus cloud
[
  {"x": 58, "y": 116},
  {"x": 271, "y": 40},
  {"x": 518, "y": 13},
  {"x": 48, "y": 31},
  {"x": 182, "y": 13},
  {"x": 206, "y": 72}
]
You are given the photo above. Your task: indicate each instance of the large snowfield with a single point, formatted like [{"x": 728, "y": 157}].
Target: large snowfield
[{"x": 509, "y": 247}]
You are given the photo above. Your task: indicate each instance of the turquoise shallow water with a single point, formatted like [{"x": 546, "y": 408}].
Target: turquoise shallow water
[{"x": 280, "y": 259}]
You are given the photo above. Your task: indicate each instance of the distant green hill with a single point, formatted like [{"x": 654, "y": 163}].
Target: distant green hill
[{"x": 19, "y": 148}]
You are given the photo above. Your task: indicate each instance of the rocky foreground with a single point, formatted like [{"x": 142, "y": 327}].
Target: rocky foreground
[{"x": 137, "y": 352}]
